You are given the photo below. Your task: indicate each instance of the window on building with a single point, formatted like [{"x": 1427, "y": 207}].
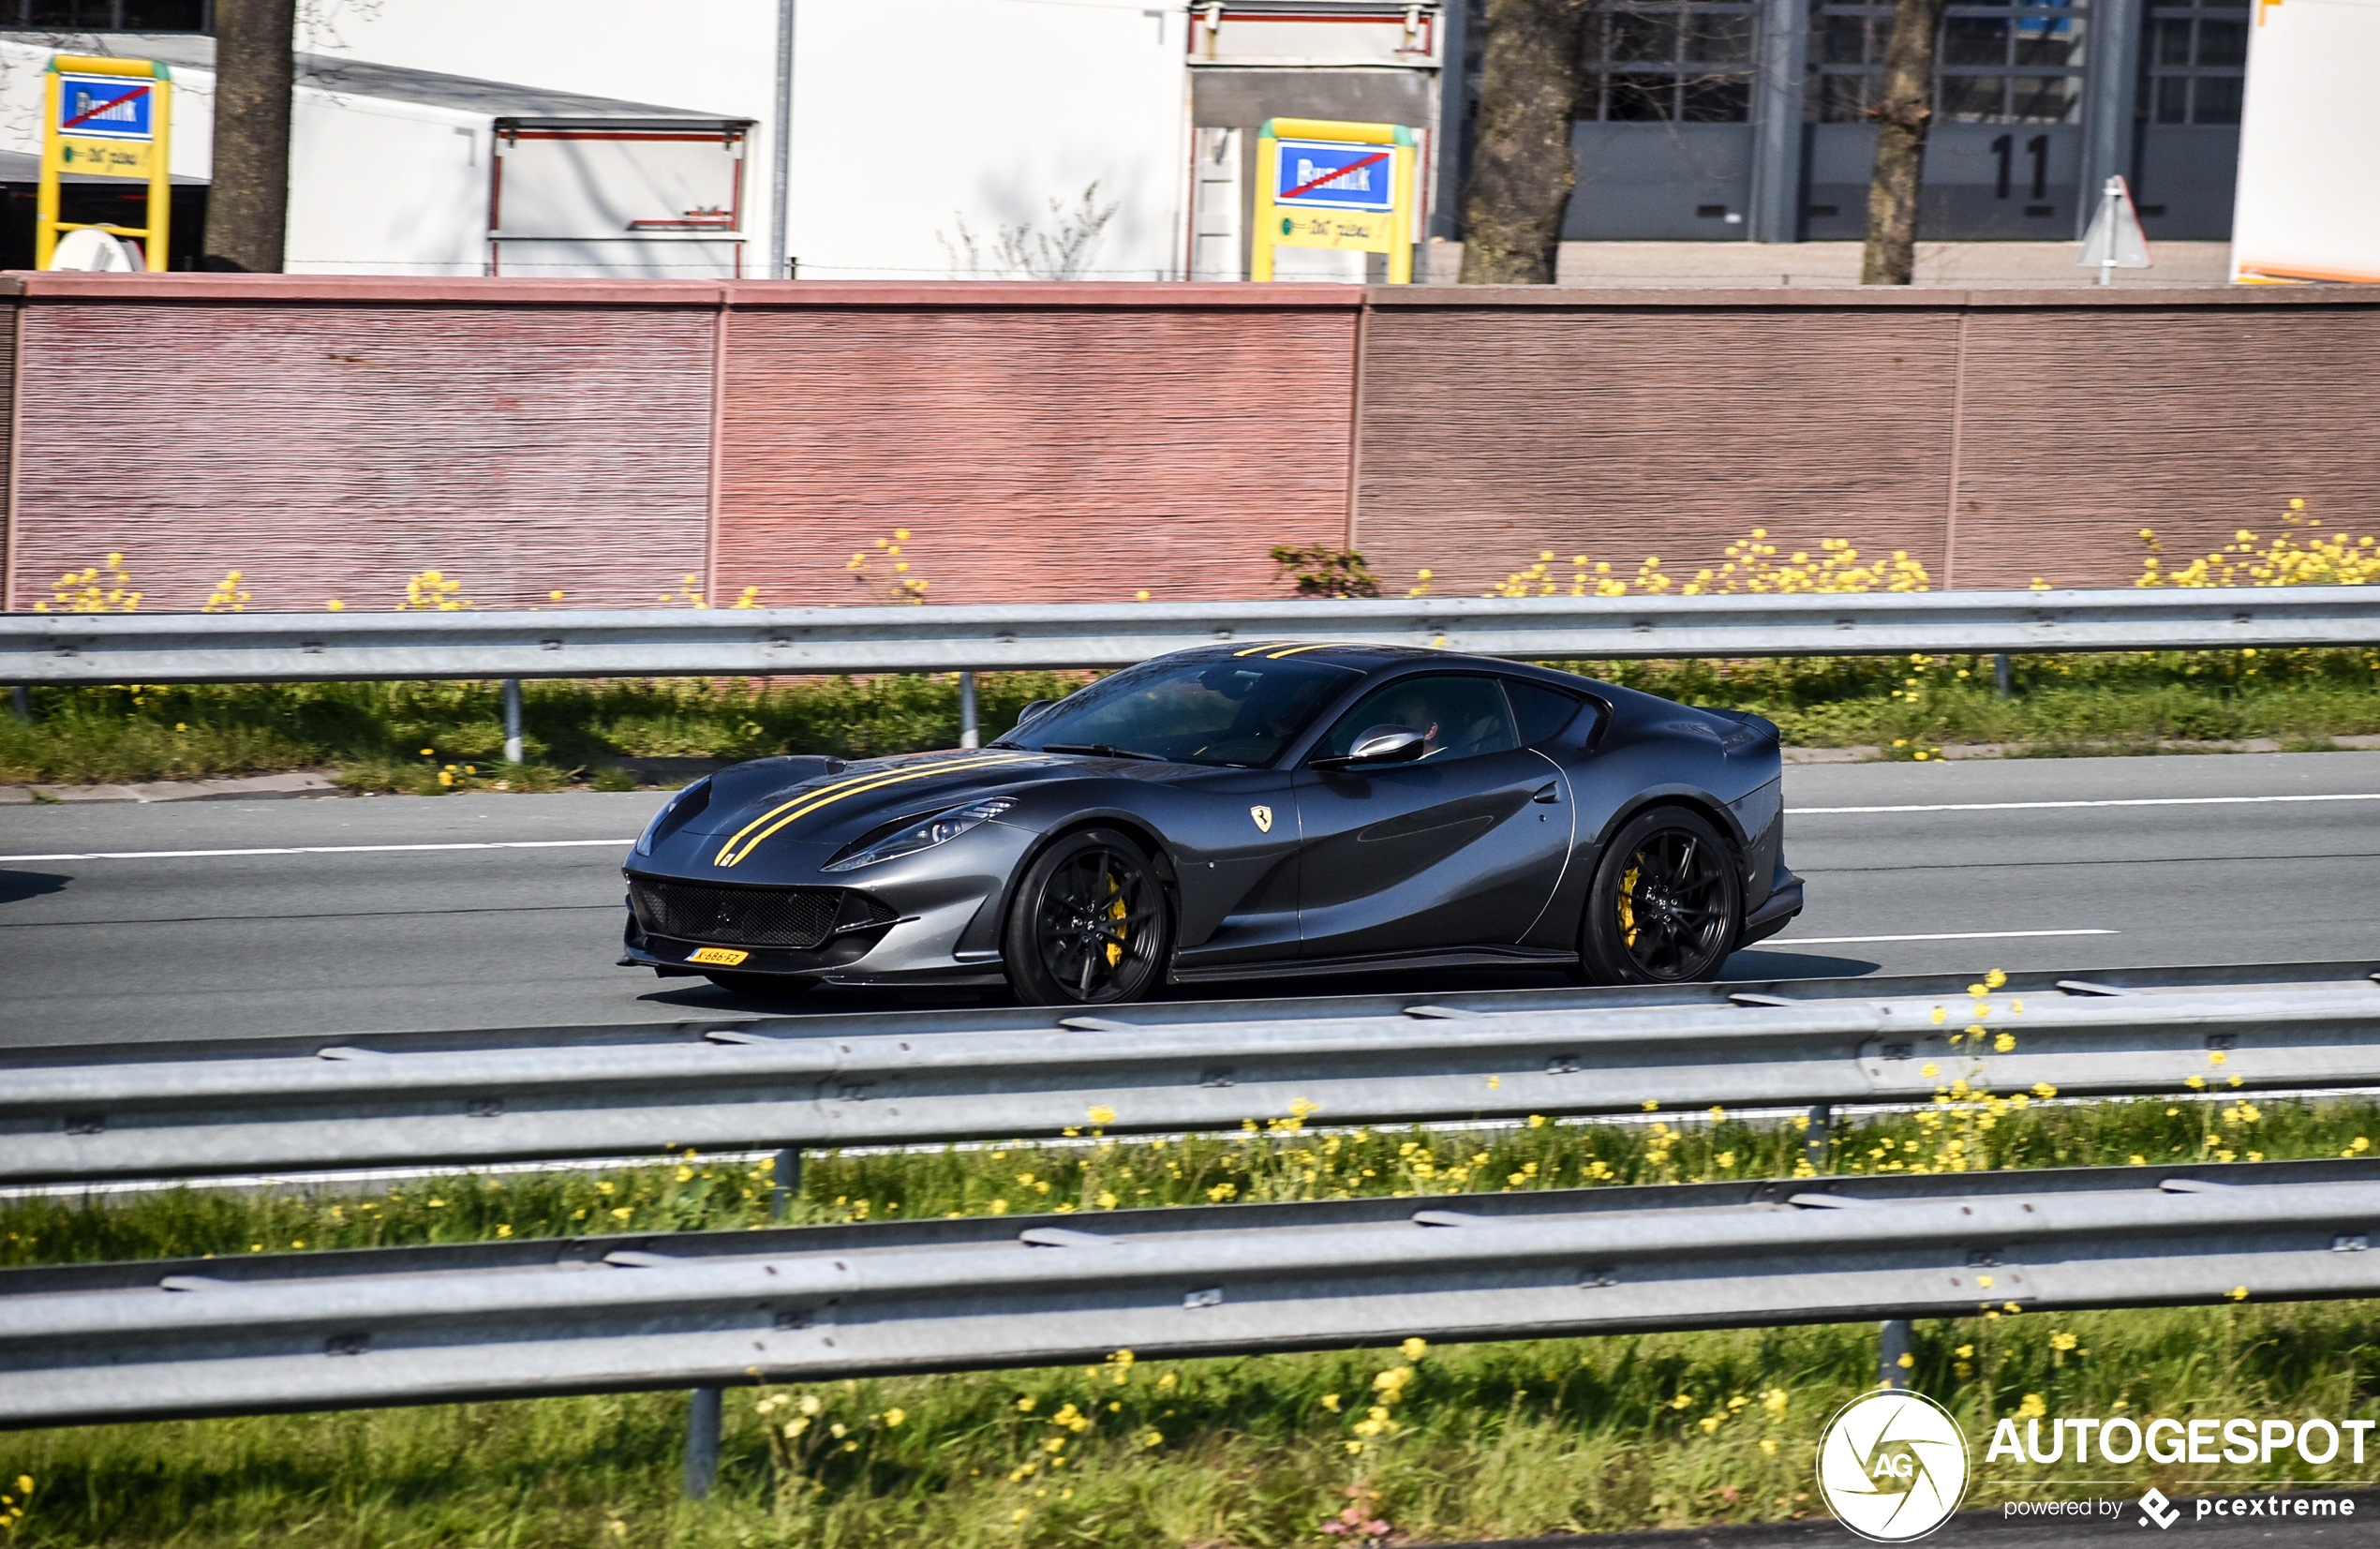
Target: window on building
[
  {"x": 2004, "y": 63},
  {"x": 107, "y": 15},
  {"x": 1688, "y": 63},
  {"x": 2195, "y": 61}
]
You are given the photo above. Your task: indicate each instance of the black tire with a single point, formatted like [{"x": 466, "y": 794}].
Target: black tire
[
  {"x": 766, "y": 986},
  {"x": 1667, "y": 903},
  {"x": 1088, "y": 925}
]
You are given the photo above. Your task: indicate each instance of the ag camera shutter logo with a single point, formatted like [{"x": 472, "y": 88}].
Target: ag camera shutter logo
[{"x": 1892, "y": 1466}]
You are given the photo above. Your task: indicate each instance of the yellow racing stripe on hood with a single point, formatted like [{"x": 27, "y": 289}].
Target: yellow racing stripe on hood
[{"x": 802, "y": 806}]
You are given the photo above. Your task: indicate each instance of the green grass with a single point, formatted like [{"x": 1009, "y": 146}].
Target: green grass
[
  {"x": 1487, "y": 1440},
  {"x": 403, "y": 737},
  {"x": 2117, "y": 703}
]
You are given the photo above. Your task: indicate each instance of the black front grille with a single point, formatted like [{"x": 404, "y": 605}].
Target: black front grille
[{"x": 750, "y": 917}]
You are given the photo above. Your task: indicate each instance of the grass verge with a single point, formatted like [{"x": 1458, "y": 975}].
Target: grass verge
[
  {"x": 431, "y": 738},
  {"x": 1505, "y": 1439}
]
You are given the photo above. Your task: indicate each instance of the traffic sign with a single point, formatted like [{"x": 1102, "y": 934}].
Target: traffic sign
[
  {"x": 105, "y": 118},
  {"x": 1327, "y": 183}
]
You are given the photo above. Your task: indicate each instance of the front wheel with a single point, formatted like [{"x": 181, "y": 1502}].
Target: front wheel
[
  {"x": 1666, "y": 903},
  {"x": 1089, "y": 924}
]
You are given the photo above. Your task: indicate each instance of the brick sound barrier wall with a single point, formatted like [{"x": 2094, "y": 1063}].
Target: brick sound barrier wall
[{"x": 330, "y": 437}]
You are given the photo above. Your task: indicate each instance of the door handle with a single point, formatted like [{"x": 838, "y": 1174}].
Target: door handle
[{"x": 1549, "y": 792}]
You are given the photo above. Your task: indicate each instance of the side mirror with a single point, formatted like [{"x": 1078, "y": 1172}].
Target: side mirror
[
  {"x": 1381, "y": 745},
  {"x": 1030, "y": 711}
]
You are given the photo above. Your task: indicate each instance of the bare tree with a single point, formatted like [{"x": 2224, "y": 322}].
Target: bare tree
[
  {"x": 1021, "y": 252},
  {"x": 1521, "y": 169},
  {"x": 1903, "y": 111},
  {"x": 254, "y": 74}
]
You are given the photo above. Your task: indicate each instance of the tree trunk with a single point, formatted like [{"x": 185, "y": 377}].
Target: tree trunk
[
  {"x": 247, "y": 207},
  {"x": 1521, "y": 170},
  {"x": 1902, "y": 114}
]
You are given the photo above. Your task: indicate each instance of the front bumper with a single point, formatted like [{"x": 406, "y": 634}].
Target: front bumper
[{"x": 931, "y": 917}]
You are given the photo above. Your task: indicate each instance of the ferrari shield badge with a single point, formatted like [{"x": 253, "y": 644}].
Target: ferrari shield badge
[{"x": 1264, "y": 818}]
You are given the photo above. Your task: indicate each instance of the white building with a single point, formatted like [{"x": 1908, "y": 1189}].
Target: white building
[{"x": 1095, "y": 139}]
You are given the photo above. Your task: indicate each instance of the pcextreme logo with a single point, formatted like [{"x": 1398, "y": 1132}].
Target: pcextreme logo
[{"x": 1892, "y": 1466}]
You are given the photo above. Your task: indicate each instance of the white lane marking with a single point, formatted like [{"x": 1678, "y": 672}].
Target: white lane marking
[
  {"x": 2123, "y": 801},
  {"x": 1949, "y": 935},
  {"x": 331, "y": 850}
]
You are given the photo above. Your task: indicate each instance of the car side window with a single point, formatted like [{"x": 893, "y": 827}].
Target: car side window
[
  {"x": 1457, "y": 716},
  {"x": 1541, "y": 713}
]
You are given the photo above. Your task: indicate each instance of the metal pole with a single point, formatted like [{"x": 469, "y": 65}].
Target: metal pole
[
  {"x": 781, "y": 149},
  {"x": 512, "y": 720},
  {"x": 2108, "y": 211},
  {"x": 21, "y": 701},
  {"x": 1815, "y": 1138},
  {"x": 1775, "y": 212},
  {"x": 702, "y": 1442},
  {"x": 1999, "y": 675},
  {"x": 1893, "y": 1360},
  {"x": 970, "y": 734},
  {"x": 786, "y": 1174}
]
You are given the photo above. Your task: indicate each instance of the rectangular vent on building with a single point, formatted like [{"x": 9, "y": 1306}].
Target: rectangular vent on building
[
  {"x": 2039, "y": 210},
  {"x": 1825, "y": 212},
  {"x": 2148, "y": 212},
  {"x": 1710, "y": 211}
]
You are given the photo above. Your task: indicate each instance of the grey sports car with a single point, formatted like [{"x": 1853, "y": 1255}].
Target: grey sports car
[{"x": 1239, "y": 812}]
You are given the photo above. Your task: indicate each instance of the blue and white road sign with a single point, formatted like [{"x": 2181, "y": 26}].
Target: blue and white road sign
[
  {"x": 106, "y": 107},
  {"x": 1320, "y": 174}
]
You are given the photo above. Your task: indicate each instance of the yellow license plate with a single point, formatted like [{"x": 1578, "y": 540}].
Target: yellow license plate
[{"x": 725, "y": 957}]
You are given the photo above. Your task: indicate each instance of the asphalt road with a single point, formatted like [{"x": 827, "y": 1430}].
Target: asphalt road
[{"x": 484, "y": 911}]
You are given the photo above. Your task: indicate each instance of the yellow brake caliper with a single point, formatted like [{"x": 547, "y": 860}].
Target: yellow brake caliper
[
  {"x": 1628, "y": 903},
  {"x": 1116, "y": 912}
]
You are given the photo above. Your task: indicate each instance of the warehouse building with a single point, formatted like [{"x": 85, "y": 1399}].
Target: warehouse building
[{"x": 1016, "y": 125}]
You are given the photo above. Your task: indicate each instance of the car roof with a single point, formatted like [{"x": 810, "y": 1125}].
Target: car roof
[{"x": 1369, "y": 658}]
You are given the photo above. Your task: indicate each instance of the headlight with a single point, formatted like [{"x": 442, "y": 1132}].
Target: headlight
[
  {"x": 939, "y": 829},
  {"x": 685, "y": 804}
]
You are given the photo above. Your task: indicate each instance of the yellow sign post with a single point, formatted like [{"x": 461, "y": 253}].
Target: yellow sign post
[
  {"x": 1327, "y": 183},
  {"x": 105, "y": 118}
]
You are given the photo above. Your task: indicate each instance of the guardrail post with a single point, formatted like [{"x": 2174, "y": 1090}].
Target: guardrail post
[
  {"x": 512, "y": 720},
  {"x": 702, "y": 1442},
  {"x": 970, "y": 734},
  {"x": 21, "y": 701},
  {"x": 1894, "y": 1360},
  {"x": 785, "y": 1175},
  {"x": 1999, "y": 675},
  {"x": 1816, "y": 1139}
]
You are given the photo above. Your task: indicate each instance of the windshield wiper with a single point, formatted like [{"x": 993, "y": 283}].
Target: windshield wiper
[{"x": 1102, "y": 750}]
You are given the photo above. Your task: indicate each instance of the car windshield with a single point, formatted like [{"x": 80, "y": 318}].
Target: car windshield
[{"x": 1240, "y": 711}]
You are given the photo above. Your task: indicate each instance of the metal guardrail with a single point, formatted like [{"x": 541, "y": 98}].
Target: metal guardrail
[
  {"x": 796, "y": 1087},
  {"x": 263, "y": 646},
  {"x": 123, "y": 1341}
]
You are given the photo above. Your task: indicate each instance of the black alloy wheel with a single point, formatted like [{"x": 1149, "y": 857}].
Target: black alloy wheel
[
  {"x": 1089, "y": 924},
  {"x": 1666, "y": 905}
]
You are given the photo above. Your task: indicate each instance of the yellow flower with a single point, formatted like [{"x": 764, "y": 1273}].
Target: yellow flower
[
  {"x": 1331, "y": 1402},
  {"x": 894, "y": 1417},
  {"x": 2033, "y": 1407},
  {"x": 1103, "y": 1115},
  {"x": 1415, "y": 1348}
]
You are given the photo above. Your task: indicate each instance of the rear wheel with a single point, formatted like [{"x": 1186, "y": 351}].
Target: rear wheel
[
  {"x": 1666, "y": 904},
  {"x": 1089, "y": 924}
]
